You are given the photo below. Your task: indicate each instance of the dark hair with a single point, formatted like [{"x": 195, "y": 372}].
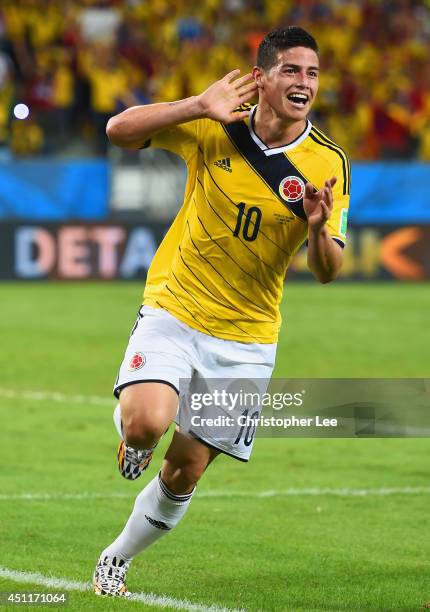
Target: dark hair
[{"x": 283, "y": 38}]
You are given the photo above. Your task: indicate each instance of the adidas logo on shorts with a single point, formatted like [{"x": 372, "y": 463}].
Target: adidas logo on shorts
[{"x": 224, "y": 164}]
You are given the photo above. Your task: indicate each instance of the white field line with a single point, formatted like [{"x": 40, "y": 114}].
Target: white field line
[
  {"x": 161, "y": 601},
  {"x": 313, "y": 492},
  {"x": 53, "y": 396},
  {"x": 97, "y": 400}
]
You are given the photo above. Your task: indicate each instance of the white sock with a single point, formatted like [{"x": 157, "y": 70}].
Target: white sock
[
  {"x": 117, "y": 420},
  {"x": 156, "y": 511}
]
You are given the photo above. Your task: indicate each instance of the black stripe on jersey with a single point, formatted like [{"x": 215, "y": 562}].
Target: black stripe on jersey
[
  {"x": 260, "y": 231},
  {"x": 219, "y": 274},
  {"x": 233, "y": 308},
  {"x": 345, "y": 160},
  {"x": 219, "y": 216},
  {"x": 186, "y": 290},
  {"x": 329, "y": 141},
  {"x": 316, "y": 137},
  {"x": 271, "y": 169},
  {"x": 228, "y": 254},
  {"x": 189, "y": 311},
  {"x": 339, "y": 241},
  {"x": 192, "y": 296},
  {"x": 205, "y": 286},
  {"x": 245, "y": 332}
]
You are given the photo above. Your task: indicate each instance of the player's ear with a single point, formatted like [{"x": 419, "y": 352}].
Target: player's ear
[{"x": 257, "y": 73}]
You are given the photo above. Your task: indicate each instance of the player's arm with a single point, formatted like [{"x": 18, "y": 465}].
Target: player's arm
[
  {"x": 325, "y": 256},
  {"x": 134, "y": 126}
]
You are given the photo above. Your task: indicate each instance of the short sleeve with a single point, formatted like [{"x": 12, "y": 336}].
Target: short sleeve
[
  {"x": 180, "y": 139},
  {"x": 337, "y": 224}
]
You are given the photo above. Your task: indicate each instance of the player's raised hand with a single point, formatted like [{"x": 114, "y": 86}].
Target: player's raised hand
[
  {"x": 220, "y": 99},
  {"x": 319, "y": 204}
]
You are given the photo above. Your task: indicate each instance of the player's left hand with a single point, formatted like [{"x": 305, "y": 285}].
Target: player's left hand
[{"x": 319, "y": 204}]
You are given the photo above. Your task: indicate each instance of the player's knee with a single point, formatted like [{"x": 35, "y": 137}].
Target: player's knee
[
  {"x": 146, "y": 412},
  {"x": 143, "y": 424}
]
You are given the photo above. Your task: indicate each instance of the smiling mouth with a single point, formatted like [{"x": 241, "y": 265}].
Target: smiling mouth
[{"x": 298, "y": 99}]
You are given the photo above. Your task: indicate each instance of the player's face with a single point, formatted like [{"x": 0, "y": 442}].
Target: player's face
[{"x": 290, "y": 86}]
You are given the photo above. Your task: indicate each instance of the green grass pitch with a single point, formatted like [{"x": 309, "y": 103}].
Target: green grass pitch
[{"x": 233, "y": 548}]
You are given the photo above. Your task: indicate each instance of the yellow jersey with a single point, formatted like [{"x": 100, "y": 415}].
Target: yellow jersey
[{"x": 221, "y": 266}]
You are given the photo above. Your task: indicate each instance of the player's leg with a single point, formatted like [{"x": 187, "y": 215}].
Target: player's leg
[
  {"x": 147, "y": 409},
  {"x": 184, "y": 463},
  {"x": 157, "y": 510},
  {"x": 147, "y": 386},
  {"x": 145, "y": 412}
]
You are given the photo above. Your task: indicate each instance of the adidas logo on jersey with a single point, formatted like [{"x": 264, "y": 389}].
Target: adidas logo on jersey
[{"x": 224, "y": 164}]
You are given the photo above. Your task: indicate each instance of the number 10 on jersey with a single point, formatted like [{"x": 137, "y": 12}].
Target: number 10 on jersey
[{"x": 248, "y": 222}]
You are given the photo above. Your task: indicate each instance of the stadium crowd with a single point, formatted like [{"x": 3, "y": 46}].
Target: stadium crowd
[{"x": 74, "y": 63}]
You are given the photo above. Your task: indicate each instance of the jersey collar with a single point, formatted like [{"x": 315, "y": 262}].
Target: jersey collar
[{"x": 275, "y": 150}]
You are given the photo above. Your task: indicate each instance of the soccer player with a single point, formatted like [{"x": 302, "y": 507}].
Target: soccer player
[{"x": 262, "y": 180}]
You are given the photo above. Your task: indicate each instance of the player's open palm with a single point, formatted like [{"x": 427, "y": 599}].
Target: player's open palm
[
  {"x": 220, "y": 99},
  {"x": 319, "y": 204}
]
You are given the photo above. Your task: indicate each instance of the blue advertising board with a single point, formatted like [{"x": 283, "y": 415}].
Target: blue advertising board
[
  {"x": 383, "y": 193},
  {"x": 390, "y": 193},
  {"x": 54, "y": 190}
]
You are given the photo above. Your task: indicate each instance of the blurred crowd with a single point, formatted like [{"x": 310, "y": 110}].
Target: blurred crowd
[{"x": 75, "y": 63}]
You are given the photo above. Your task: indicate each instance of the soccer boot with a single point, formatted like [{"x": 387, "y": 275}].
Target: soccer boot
[
  {"x": 131, "y": 462},
  {"x": 109, "y": 577}
]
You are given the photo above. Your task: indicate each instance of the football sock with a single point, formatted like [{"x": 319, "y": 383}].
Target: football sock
[
  {"x": 156, "y": 511},
  {"x": 117, "y": 420}
]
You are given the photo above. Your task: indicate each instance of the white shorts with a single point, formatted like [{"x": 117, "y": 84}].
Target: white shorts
[{"x": 163, "y": 349}]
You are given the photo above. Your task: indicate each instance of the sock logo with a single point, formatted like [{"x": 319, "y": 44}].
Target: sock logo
[{"x": 158, "y": 524}]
